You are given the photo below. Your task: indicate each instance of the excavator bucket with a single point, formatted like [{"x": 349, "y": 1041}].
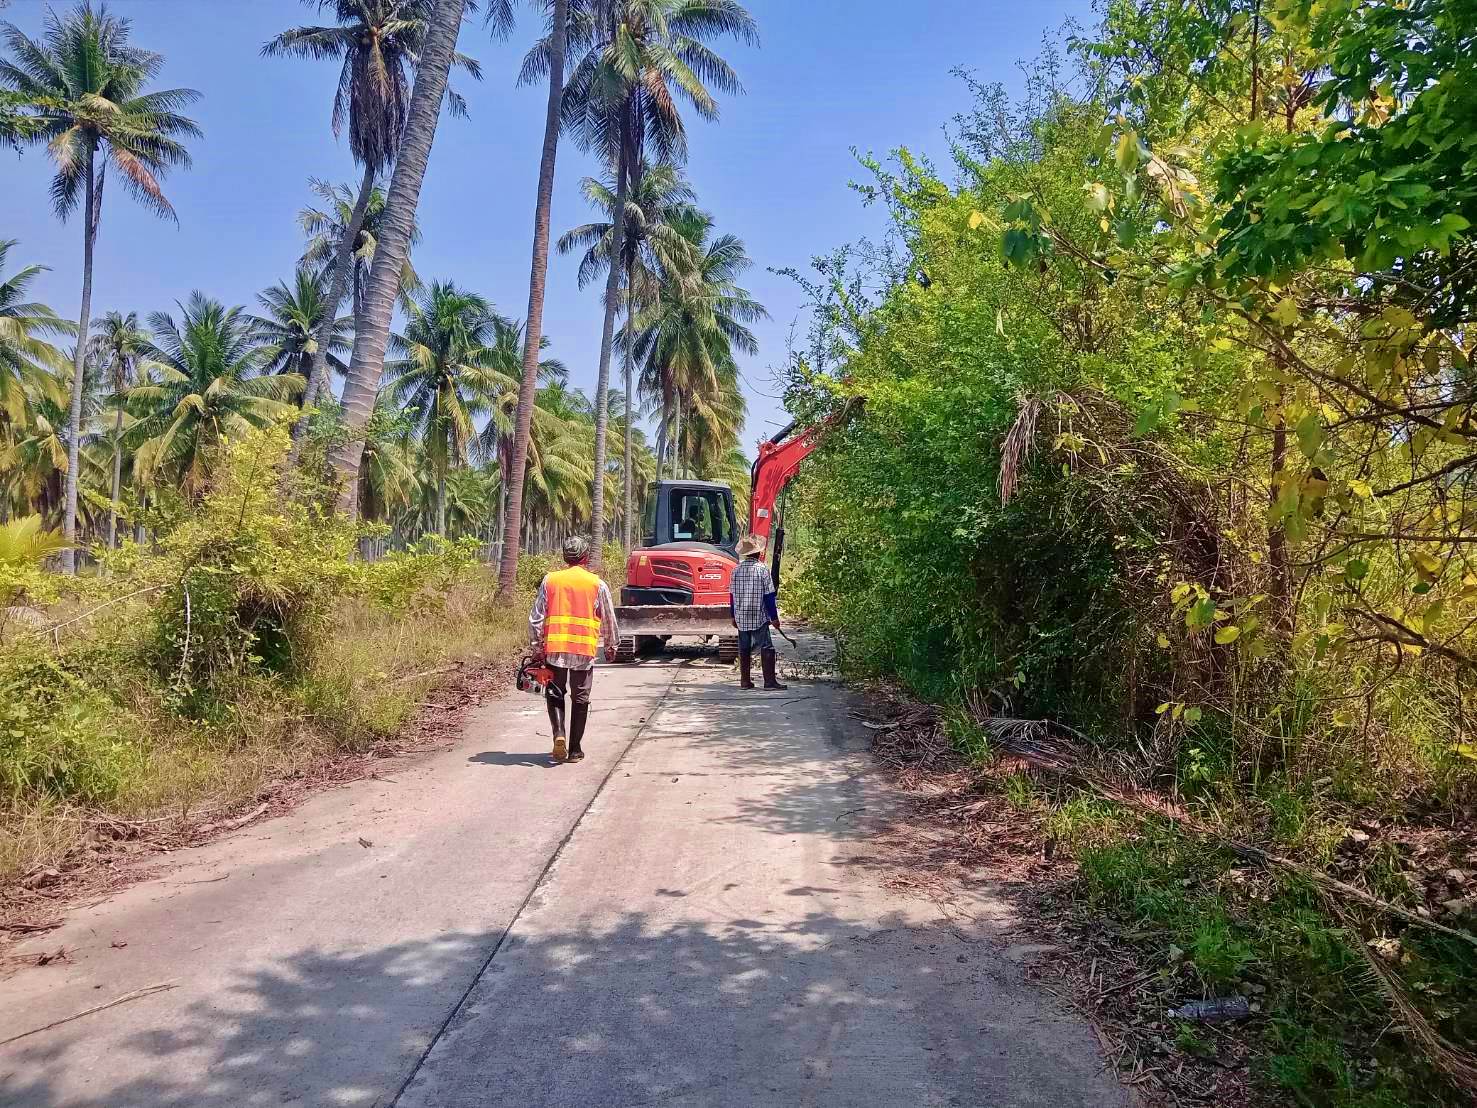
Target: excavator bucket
[
  {"x": 674, "y": 619},
  {"x": 640, "y": 622}
]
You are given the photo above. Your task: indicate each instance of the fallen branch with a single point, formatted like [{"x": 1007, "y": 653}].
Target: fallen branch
[
  {"x": 232, "y": 824},
  {"x": 25, "y": 927},
  {"x": 1457, "y": 1064},
  {"x": 52, "y": 630},
  {"x": 137, "y": 994},
  {"x": 424, "y": 673}
]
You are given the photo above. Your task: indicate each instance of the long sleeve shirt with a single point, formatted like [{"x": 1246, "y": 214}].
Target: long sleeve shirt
[
  {"x": 610, "y": 632},
  {"x": 751, "y": 596}
]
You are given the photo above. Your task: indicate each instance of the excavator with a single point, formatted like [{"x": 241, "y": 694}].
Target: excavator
[{"x": 677, "y": 580}]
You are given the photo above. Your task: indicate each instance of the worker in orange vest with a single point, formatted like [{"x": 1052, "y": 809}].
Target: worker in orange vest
[{"x": 572, "y": 613}]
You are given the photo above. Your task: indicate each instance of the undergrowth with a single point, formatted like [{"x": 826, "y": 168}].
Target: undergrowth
[{"x": 244, "y": 647}]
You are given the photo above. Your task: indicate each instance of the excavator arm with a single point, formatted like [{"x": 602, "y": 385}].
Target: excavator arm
[{"x": 778, "y": 462}]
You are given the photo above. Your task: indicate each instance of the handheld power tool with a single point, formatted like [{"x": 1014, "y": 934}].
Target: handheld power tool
[{"x": 534, "y": 676}]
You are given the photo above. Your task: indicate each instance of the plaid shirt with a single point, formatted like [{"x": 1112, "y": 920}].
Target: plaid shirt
[{"x": 751, "y": 594}]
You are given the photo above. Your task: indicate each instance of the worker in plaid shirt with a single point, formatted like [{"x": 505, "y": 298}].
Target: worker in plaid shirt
[{"x": 754, "y": 606}]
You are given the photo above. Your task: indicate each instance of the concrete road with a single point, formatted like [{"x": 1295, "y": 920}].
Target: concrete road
[{"x": 694, "y": 915}]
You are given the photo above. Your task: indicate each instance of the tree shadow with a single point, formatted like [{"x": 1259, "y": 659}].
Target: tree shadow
[
  {"x": 820, "y": 1010},
  {"x": 765, "y": 745}
]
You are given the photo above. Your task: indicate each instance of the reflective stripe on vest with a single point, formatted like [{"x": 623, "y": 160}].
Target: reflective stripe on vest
[{"x": 572, "y": 623}]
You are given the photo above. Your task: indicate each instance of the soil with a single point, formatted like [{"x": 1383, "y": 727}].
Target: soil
[{"x": 963, "y": 834}]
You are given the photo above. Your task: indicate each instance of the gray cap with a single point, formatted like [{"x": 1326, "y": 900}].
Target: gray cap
[{"x": 576, "y": 549}]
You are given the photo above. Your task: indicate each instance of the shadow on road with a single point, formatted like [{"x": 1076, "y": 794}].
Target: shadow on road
[
  {"x": 541, "y": 760},
  {"x": 636, "y": 1014}
]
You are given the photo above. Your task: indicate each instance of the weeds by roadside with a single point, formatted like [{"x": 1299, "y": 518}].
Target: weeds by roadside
[
  {"x": 1151, "y": 917},
  {"x": 223, "y": 672}
]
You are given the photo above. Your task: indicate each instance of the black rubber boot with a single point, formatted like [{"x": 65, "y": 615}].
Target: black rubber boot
[
  {"x": 746, "y": 670},
  {"x": 578, "y": 713},
  {"x": 770, "y": 681},
  {"x": 556, "y": 725}
]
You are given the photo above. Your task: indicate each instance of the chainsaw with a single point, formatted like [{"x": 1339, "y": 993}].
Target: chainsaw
[{"x": 534, "y": 676}]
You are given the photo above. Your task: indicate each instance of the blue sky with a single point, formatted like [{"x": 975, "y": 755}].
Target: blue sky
[{"x": 829, "y": 75}]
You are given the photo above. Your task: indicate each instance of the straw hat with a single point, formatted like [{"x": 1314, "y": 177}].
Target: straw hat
[{"x": 750, "y": 545}]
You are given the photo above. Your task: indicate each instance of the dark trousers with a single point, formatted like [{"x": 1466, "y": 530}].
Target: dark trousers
[{"x": 579, "y": 682}]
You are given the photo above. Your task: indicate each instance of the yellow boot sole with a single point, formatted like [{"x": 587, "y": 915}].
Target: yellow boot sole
[{"x": 561, "y": 750}]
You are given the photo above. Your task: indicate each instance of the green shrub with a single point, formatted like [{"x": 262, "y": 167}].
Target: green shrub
[
  {"x": 247, "y": 581},
  {"x": 418, "y": 580},
  {"x": 60, "y": 738}
]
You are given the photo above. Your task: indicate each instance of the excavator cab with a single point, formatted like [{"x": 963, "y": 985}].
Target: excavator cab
[
  {"x": 690, "y": 512},
  {"x": 690, "y": 535}
]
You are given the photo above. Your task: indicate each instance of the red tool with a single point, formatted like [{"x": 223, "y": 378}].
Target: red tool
[{"x": 534, "y": 676}]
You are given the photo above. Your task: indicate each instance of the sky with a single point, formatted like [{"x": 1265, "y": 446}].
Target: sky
[{"x": 828, "y": 77}]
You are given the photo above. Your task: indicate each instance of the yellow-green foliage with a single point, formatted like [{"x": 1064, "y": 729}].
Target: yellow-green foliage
[
  {"x": 240, "y": 647},
  {"x": 24, "y": 547}
]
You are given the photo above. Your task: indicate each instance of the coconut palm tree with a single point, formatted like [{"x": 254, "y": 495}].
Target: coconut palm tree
[
  {"x": 378, "y": 43},
  {"x": 86, "y": 83},
  {"x": 685, "y": 338},
  {"x": 28, "y": 363},
  {"x": 387, "y": 477},
  {"x": 35, "y": 470},
  {"x": 553, "y": 71},
  {"x": 653, "y": 244},
  {"x": 209, "y": 383},
  {"x": 39, "y": 461},
  {"x": 292, "y": 324},
  {"x": 444, "y": 375},
  {"x": 657, "y": 212},
  {"x": 118, "y": 346},
  {"x": 372, "y": 328},
  {"x": 326, "y": 227},
  {"x": 634, "y": 61},
  {"x": 712, "y": 422},
  {"x": 496, "y": 439}
]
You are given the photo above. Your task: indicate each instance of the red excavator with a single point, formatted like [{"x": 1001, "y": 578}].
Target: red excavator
[{"x": 677, "y": 580}]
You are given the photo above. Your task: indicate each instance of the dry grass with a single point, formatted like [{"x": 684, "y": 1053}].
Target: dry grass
[{"x": 362, "y": 697}]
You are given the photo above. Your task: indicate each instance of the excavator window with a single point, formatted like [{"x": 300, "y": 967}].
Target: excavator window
[
  {"x": 677, "y": 512},
  {"x": 648, "y": 515},
  {"x": 701, "y": 516}
]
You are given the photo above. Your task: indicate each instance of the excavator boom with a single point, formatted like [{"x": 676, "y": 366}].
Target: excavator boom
[{"x": 778, "y": 462}]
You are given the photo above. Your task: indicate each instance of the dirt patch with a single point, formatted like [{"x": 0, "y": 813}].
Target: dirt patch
[{"x": 114, "y": 853}]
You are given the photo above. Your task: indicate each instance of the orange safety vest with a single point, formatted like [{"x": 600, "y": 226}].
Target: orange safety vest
[{"x": 572, "y": 622}]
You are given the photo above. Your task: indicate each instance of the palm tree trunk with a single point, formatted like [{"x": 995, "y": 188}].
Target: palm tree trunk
[
  {"x": 373, "y": 330},
  {"x": 534, "y": 326},
  {"x": 74, "y": 416},
  {"x": 661, "y": 442},
  {"x": 502, "y": 497},
  {"x": 630, "y": 420},
  {"x": 441, "y": 500},
  {"x": 342, "y": 273},
  {"x": 117, "y": 478},
  {"x": 602, "y": 386}
]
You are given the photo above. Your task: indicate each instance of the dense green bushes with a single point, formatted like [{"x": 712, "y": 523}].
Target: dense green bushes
[
  {"x": 241, "y": 641},
  {"x": 1194, "y": 486}
]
